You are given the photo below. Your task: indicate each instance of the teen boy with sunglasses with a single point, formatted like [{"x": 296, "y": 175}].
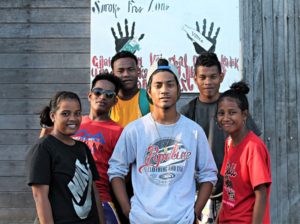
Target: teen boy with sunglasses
[{"x": 100, "y": 133}]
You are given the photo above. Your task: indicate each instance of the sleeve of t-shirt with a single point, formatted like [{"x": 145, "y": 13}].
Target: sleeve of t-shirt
[
  {"x": 38, "y": 163},
  {"x": 92, "y": 163},
  {"x": 259, "y": 166},
  {"x": 123, "y": 155}
]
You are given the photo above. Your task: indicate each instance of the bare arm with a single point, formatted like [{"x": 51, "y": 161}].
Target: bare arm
[
  {"x": 204, "y": 192},
  {"x": 119, "y": 188},
  {"x": 98, "y": 204},
  {"x": 42, "y": 203},
  {"x": 260, "y": 203}
]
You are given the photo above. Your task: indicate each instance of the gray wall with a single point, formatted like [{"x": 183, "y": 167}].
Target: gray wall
[
  {"x": 44, "y": 47},
  {"x": 270, "y": 33}
]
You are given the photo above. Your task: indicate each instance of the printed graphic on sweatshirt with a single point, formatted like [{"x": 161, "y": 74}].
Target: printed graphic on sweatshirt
[
  {"x": 81, "y": 187},
  {"x": 165, "y": 161},
  {"x": 230, "y": 173}
]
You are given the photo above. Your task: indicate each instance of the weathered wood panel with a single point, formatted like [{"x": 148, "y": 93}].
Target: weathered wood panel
[
  {"x": 269, "y": 93},
  {"x": 45, "y": 4},
  {"x": 292, "y": 143},
  {"x": 78, "y": 30},
  {"x": 294, "y": 213},
  {"x": 39, "y": 60},
  {"x": 13, "y": 184},
  {"x": 19, "y": 122},
  {"x": 17, "y": 215},
  {"x": 30, "y": 107},
  {"x": 12, "y": 168},
  {"x": 44, "y": 15},
  {"x": 43, "y": 76},
  {"x": 274, "y": 65},
  {"x": 257, "y": 64},
  {"x": 280, "y": 111},
  {"x": 18, "y": 137},
  {"x": 44, "y": 48},
  {"x": 13, "y": 152},
  {"x": 247, "y": 49},
  {"x": 13, "y": 199},
  {"x": 57, "y": 45},
  {"x": 29, "y": 91}
]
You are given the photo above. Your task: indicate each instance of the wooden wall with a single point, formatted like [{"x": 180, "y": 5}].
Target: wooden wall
[
  {"x": 44, "y": 47},
  {"x": 270, "y": 34}
]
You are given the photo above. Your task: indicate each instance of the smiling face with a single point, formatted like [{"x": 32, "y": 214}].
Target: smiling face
[
  {"x": 164, "y": 90},
  {"x": 126, "y": 69},
  {"x": 66, "y": 118},
  {"x": 208, "y": 80},
  {"x": 102, "y": 103},
  {"x": 230, "y": 117}
]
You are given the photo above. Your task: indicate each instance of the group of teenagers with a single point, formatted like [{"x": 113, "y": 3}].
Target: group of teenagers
[{"x": 136, "y": 159}]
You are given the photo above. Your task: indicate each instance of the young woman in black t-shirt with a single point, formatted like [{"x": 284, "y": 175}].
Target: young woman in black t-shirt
[{"x": 61, "y": 170}]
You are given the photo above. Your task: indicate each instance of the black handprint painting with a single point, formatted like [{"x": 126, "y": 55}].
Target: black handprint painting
[
  {"x": 202, "y": 41},
  {"x": 176, "y": 30},
  {"x": 127, "y": 42}
]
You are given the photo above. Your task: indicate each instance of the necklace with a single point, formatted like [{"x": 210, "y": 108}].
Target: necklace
[{"x": 165, "y": 147}]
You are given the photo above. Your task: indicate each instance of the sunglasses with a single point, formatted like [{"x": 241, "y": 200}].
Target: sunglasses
[{"x": 108, "y": 93}]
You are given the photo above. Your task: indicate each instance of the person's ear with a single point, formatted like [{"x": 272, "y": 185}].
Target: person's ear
[
  {"x": 222, "y": 77},
  {"x": 115, "y": 100},
  {"x": 149, "y": 92},
  {"x": 178, "y": 92},
  {"x": 52, "y": 116},
  {"x": 245, "y": 114},
  {"x": 195, "y": 77},
  {"x": 90, "y": 96}
]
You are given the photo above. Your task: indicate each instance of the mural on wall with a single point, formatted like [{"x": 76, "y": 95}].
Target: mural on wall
[{"x": 177, "y": 30}]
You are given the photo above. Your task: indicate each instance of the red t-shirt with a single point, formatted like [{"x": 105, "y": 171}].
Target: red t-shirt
[
  {"x": 245, "y": 166},
  {"x": 101, "y": 138}
]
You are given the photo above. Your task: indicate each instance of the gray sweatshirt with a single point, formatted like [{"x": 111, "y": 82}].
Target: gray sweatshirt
[{"x": 167, "y": 160}]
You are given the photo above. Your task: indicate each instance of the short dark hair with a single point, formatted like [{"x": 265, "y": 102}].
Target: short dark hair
[
  {"x": 123, "y": 54},
  {"x": 109, "y": 77},
  {"x": 208, "y": 59},
  {"x": 237, "y": 91},
  {"x": 45, "y": 119}
]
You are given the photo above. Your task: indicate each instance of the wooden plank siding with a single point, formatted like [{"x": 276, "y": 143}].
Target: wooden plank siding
[
  {"x": 45, "y": 47},
  {"x": 270, "y": 37}
]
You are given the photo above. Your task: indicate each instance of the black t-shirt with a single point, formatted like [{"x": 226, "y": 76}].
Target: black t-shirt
[
  {"x": 69, "y": 171},
  {"x": 204, "y": 114}
]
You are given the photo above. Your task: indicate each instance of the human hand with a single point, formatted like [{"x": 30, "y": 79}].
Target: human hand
[
  {"x": 126, "y": 211},
  {"x": 121, "y": 41},
  {"x": 196, "y": 220},
  {"x": 213, "y": 40}
]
